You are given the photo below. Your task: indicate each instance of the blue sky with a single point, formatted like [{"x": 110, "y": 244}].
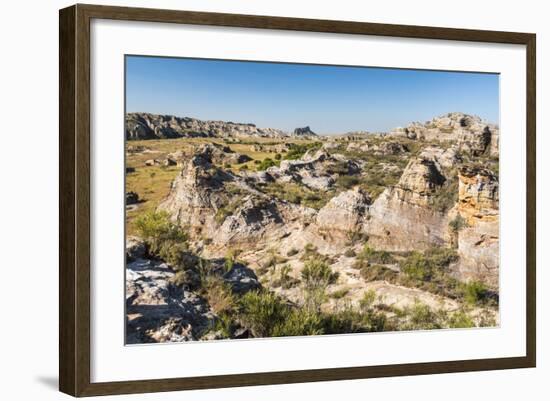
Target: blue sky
[{"x": 330, "y": 99}]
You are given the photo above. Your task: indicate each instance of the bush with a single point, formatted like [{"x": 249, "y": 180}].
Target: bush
[
  {"x": 284, "y": 279},
  {"x": 299, "y": 322},
  {"x": 164, "y": 239},
  {"x": 460, "y": 320},
  {"x": 266, "y": 163},
  {"x": 317, "y": 273},
  {"x": 292, "y": 252},
  {"x": 457, "y": 224},
  {"x": 339, "y": 294},
  {"x": 475, "y": 292},
  {"x": 350, "y": 253},
  {"x": 446, "y": 196},
  {"x": 378, "y": 272},
  {"x": 261, "y": 312},
  {"x": 218, "y": 295},
  {"x": 416, "y": 267},
  {"x": 156, "y": 227},
  {"x": 278, "y": 156},
  {"x": 296, "y": 151},
  {"x": 373, "y": 256}
]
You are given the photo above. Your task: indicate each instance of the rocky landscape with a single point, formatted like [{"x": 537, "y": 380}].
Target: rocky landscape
[{"x": 236, "y": 231}]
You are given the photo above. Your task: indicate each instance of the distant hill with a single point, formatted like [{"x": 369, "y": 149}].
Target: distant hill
[{"x": 155, "y": 126}]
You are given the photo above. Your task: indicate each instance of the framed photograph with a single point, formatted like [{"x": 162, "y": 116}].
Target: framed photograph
[{"x": 250, "y": 200}]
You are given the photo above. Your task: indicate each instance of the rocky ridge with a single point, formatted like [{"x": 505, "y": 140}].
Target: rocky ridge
[{"x": 155, "y": 126}]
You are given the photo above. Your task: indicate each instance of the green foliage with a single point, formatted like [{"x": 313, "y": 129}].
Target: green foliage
[
  {"x": 266, "y": 163},
  {"x": 425, "y": 266},
  {"x": 231, "y": 258},
  {"x": 378, "y": 272},
  {"x": 460, "y": 320},
  {"x": 373, "y": 256},
  {"x": 164, "y": 238},
  {"x": 475, "y": 292},
  {"x": 421, "y": 317},
  {"x": 446, "y": 196},
  {"x": 296, "y": 150},
  {"x": 367, "y": 302},
  {"x": 278, "y": 156},
  {"x": 297, "y": 194},
  {"x": 317, "y": 274},
  {"x": 218, "y": 294},
  {"x": 284, "y": 279},
  {"x": 339, "y": 294},
  {"x": 457, "y": 224},
  {"x": 417, "y": 267},
  {"x": 350, "y": 253},
  {"x": 299, "y": 322},
  {"x": 292, "y": 252},
  {"x": 261, "y": 312}
]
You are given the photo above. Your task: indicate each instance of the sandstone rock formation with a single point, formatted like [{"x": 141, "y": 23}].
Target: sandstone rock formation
[
  {"x": 158, "y": 311},
  {"x": 401, "y": 217},
  {"x": 304, "y": 132},
  {"x": 478, "y": 241},
  {"x": 154, "y": 126},
  {"x": 469, "y": 133},
  {"x": 345, "y": 213}
]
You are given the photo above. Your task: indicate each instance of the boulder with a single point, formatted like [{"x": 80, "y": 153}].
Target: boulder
[
  {"x": 346, "y": 212},
  {"x": 132, "y": 198},
  {"x": 157, "y": 310}
]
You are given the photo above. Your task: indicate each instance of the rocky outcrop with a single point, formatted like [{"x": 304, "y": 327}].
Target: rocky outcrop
[
  {"x": 222, "y": 154},
  {"x": 478, "y": 240},
  {"x": 155, "y": 126},
  {"x": 197, "y": 193},
  {"x": 346, "y": 212},
  {"x": 315, "y": 170},
  {"x": 447, "y": 158},
  {"x": 402, "y": 218},
  {"x": 469, "y": 133},
  {"x": 157, "y": 310},
  {"x": 304, "y": 132}
]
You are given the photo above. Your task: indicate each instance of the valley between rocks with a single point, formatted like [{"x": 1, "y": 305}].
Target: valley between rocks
[{"x": 238, "y": 232}]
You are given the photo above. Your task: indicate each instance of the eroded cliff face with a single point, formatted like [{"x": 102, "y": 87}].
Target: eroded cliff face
[
  {"x": 155, "y": 126},
  {"x": 478, "y": 240},
  {"x": 402, "y": 218},
  {"x": 470, "y": 133}
]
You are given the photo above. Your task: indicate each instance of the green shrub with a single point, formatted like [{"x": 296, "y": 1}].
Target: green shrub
[
  {"x": 417, "y": 267},
  {"x": 317, "y": 273},
  {"x": 218, "y": 294},
  {"x": 164, "y": 239},
  {"x": 292, "y": 252},
  {"x": 475, "y": 292},
  {"x": 460, "y": 320},
  {"x": 457, "y": 224},
  {"x": 261, "y": 312},
  {"x": 284, "y": 279},
  {"x": 350, "y": 253},
  {"x": 373, "y": 256},
  {"x": 278, "y": 156},
  {"x": 378, "y": 272},
  {"x": 296, "y": 151},
  {"x": 339, "y": 294},
  {"x": 446, "y": 196},
  {"x": 299, "y": 322},
  {"x": 421, "y": 317},
  {"x": 367, "y": 302},
  {"x": 266, "y": 163}
]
